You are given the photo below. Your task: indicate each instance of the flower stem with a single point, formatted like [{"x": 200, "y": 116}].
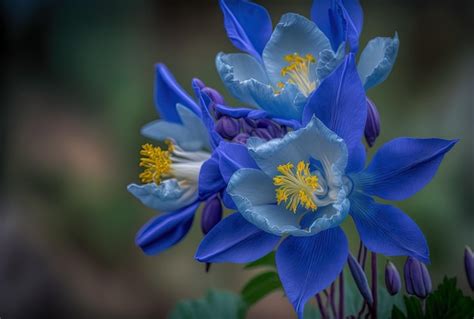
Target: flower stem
[
  {"x": 322, "y": 309},
  {"x": 341, "y": 295},
  {"x": 373, "y": 308}
]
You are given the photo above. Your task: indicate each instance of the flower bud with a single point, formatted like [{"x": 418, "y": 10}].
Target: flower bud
[
  {"x": 360, "y": 279},
  {"x": 241, "y": 138},
  {"x": 417, "y": 278},
  {"x": 372, "y": 125},
  {"x": 248, "y": 125},
  {"x": 228, "y": 127},
  {"x": 392, "y": 279},
  {"x": 215, "y": 96},
  {"x": 273, "y": 128},
  {"x": 199, "y": 83},
  {"x": 469, "y": 265},
  {"x": 263, "y": 133},
  {"x": 211, "y": 214}
]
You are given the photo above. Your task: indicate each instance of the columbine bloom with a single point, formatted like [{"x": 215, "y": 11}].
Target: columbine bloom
[
  {"x": 282, "y": 69},
  {"x": 299, "y": 189},
  {"x": 170, "y": 176}
]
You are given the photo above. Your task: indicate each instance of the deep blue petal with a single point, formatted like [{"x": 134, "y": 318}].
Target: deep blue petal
[
  {"x": 337, "y": 18},
  {"x": 402, "y": 167},
  {"x": 235, "y": 240},
  {"x": 387, "y": 230},
  {"x": 377, "y": 60},
  {"x": 166, "y": 230},
  {"x": 207, "y": 118},
  {"x": 210, "y": 178},
  {"x": 307, "y": 265},
  {"x": 168, "y": 93},
  {"x": 340, "y": 103},
  {"x": 248, "y": 25},
  {"x": 233, "y": 157}
]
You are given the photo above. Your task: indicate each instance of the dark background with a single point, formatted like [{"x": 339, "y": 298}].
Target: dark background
[{"x": 77, "y": 82}]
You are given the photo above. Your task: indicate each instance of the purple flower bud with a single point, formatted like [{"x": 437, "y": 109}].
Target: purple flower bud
[
  {"x": 263, "y": 133},
  {"x": 199, "y": 83},
  {"x": 469, "y": 265},
  {"x": 211, "y": 214},
  {"x": 392, "y": 279},
  {"x": 360, "y": 279},
  {"x": 248, "y": 125},
  {"x": 228, "y": 127},
  {"x": 417, "y": 278},
  {"x": 241, "y": 138},
  {"x": 273, "y": 128},
  {"x": 215, "y": 96},
  {"x": 372, "y": 125}
]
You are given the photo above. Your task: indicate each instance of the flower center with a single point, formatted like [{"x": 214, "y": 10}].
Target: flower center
[
  {"x": 159, "y": 164},
  {"x": 296, "y": 187},
  {"x": 155, "y": 162},
  {"x": 298, "y": 72}
]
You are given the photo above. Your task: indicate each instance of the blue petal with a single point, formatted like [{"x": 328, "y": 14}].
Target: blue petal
[
  {"x": 387, "y": 230},
  {"x": 335, "y": 18},
  {"x": 259, "y": 207},
  {"x": 235, "y": 240},
  {"x": 294, "y": 33},
  {"x": 307, "y": 265},
  {"x": 168, "y": 93},
  {"x": 340, "y": 103},
  {"x": 236, "y": 70},
  {"x": 166, "y": 230},
  {"x": 328, "y": 61},
  {"x": 191, "y": 135},
  {"x": 248, "y": 25},
  {"x": 210, "y": 178},
  {"x": 207, "y": 118},
  {"x": 315, "y": 140},
  {"x": 167, "y": 196},
  {"x": 402, "y": 167},
  {"x": 233, "y": 157},
  {"x": 377, "y": 59}
]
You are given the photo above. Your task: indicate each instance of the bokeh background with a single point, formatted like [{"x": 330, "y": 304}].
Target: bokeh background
[{"x": 77, "y": 82}]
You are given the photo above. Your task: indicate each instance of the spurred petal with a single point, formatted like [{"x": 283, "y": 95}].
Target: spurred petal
[
  {"x": 402, "y": 167},
  {"x": 210, "y": 178},
  {"x": 387, "y": 230},
  {"x": 166, "y": 230},
  {"x": 168, "y": 93},
  {"x": 248, "y": 25},
  {"x": 235, "y": 240},
  {"x": 340, "y": 103},
  {"x": 307, "y": 265},
  {"x": 233, "y": 157}
]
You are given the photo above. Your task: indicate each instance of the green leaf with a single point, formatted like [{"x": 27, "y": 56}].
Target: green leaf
[
  {"x": 413, "y": 305},
  {"x": 265, "y": 261},
  {"x": 260, "y": 286},
  {"x": 215, "y": 305},
  {"x": 397, "y": 313},
  {"x": 449, "y": 302}
]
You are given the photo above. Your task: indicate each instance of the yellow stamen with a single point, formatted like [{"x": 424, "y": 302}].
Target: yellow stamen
[
  {"x": 156, "y": 162},
  {"x": 298, "y": 72},
  {"x": 295, "y": 188}
]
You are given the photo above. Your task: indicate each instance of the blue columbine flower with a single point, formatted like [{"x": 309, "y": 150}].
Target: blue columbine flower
[
  {"x": 170, "y": 175},
  {"x": 282, "y": 69},
  {"x": 299, "y": 189}
]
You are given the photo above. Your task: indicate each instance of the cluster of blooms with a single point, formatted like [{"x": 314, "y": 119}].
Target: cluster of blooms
[{"x": 292, "y": 167}]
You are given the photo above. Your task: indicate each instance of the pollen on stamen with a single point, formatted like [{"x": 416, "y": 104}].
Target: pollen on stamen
[
  {"x": 156, "y": 162},
  {"x": 295, "y": 187},
  {"x": 298, "y": 72}
]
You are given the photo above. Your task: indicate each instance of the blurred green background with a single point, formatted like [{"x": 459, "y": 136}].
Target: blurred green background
[{"x": 77, "y": 86}]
